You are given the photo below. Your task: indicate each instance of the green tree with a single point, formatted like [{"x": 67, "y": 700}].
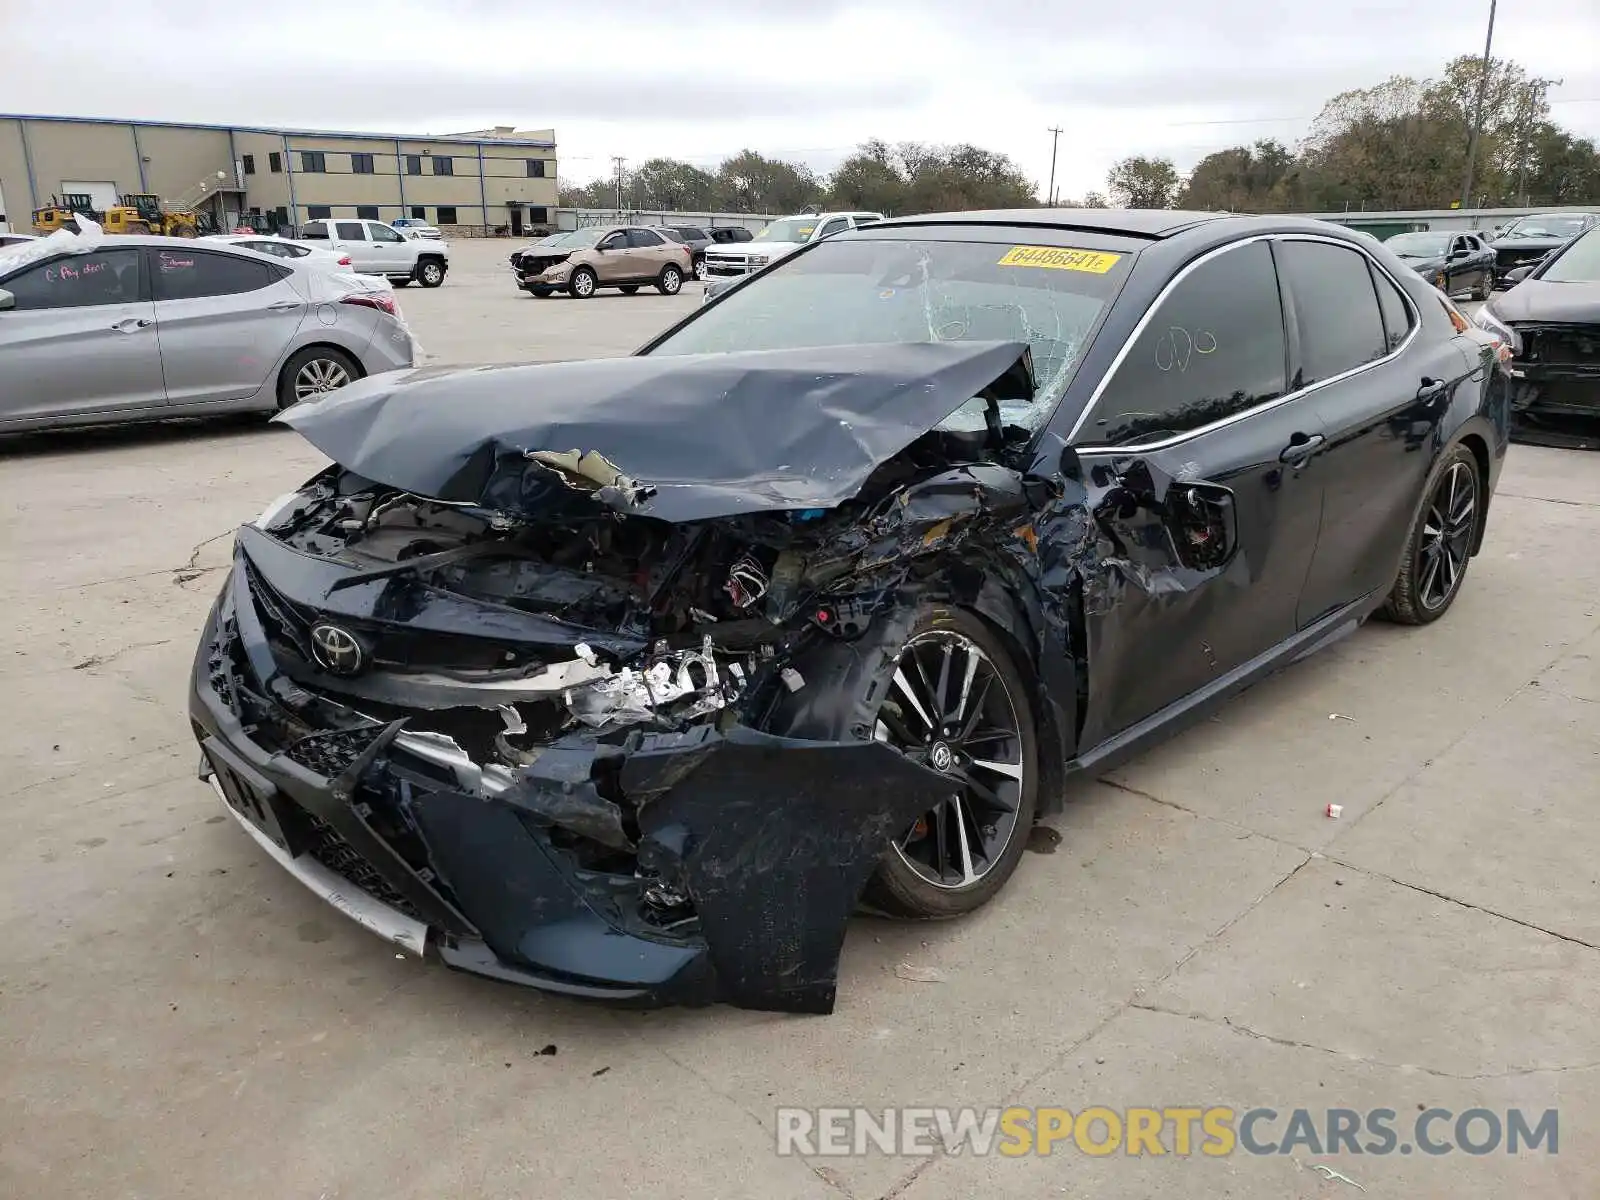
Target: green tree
[
  {"x": 871, "y": 179},
  {"x": 1259, "y": 178},
  {"x": 666, "y": 183},
  {"x": 1140, "y": 182},
  {"x": 751, "y": 183}
]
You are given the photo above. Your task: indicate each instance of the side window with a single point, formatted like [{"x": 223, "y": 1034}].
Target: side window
[
  {"x": 314, "y": 231},
  {"x": 1396, "y": 312},
  {"x": 1336, "y": 310},
  {"x": 829, "y": 228},
  {"x": 382, "y": 233},
  {"x": 617, "y": 241},
  {"x": 443, "y": 164},
  {"x": 865, "y": 219},
  {"x": 350, "y": 231},
  {"x": 191, "y": 274},
  {"x": 418, "y": 213},
  {"x": 413, "y": 164},
  {"x": 78, "y": 281},
  {"x": 643, "y": 237},
  {"x": 1197, "y": 361}
]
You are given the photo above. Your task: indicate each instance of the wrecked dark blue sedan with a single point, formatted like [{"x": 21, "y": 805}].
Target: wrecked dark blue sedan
[{"x": 634, "y": 679}]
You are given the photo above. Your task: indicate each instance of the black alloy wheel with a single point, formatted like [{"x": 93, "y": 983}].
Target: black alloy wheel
[
  {"x": 957, "y": 704},
  {"x": 1441, "y": 543}
]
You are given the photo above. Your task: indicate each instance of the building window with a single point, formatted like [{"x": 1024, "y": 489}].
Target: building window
[
  {"x": 367, "y": 212},
  {"x": 418, "y": 213},
  {"x": 313, "y": 162},
  {"x": 275, "y": 163},
  {"x": 319, "y": 212},
  {"x": 413, "y": 164},
  {"x": 539, "y": 215},
  {"x": 249, "y": 161},
  {"x": 361, "y": 164},
  {"x": 447, "y": 216},
  {"x": 536, "y": 168},
  {"x": 282, "y": 213},
  {"x": 443, "y": 164}
]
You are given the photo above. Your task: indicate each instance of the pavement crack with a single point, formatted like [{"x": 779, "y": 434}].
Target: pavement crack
[
  {"x": 1460, "y": 903},
  {"x": 1295, "y": 1044},
  {"x": 1118, "y": 785},
  {"x": 911, "y": 1177},
  {"x": 1551, "y": 500},
  {"x": 100, "y": 660},
  {"x": 191, "y": 569}
]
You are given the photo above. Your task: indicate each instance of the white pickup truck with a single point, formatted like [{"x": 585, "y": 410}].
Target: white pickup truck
[
  {"x": 378, "y": 249},
  {"x": 783, "y": 236}
]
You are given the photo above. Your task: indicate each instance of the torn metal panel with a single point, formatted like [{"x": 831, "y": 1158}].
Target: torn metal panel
[{"x": 713, "y": 434}]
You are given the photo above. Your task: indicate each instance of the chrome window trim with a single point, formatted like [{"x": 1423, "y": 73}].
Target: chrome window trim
[{"x": 1265, "y": 406}]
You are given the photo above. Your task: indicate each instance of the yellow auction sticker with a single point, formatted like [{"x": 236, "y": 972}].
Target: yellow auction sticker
[{"x": 1060, "y": 258}]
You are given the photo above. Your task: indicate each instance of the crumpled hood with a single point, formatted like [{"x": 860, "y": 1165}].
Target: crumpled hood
[
  {"x": 1563, "y": 303},
  {"x": 677, "y": 437}
]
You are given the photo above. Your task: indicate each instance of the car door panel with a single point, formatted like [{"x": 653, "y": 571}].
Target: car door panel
[
  {"x": 220, "y": 336},
  {"x": 350, "y": 237},
  {"x": 1205, "y": 493},
  {"x": 1382, "y": 421},
  {"x": 614, "y": 262},
  {"x": 389, "y": 255},
  {"x": 76, "y": 345}
]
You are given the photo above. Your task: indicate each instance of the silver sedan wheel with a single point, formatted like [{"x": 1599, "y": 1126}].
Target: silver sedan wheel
[{"x": 319, "y": 376}]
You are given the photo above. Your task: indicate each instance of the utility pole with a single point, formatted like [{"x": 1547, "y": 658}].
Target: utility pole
[
  {"x": 1477, "y": 113},
  {"x": 1050, "y": 192},
  {"x": 619, "y": 160}
]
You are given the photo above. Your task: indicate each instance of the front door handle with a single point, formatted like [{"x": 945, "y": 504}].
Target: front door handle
[
  {"x": 283, "y": 305},
  {"x": 132, "y": 324},
  {"x": 1301, "y": 447}
]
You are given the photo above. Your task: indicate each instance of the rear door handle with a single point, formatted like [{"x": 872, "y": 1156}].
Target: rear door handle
[
  {"x": 283, "y": 305},
  {"x": 1301, "y": 446},
  {"x": 132, "y": 324},
  {"x": 1431, "y": 389}
]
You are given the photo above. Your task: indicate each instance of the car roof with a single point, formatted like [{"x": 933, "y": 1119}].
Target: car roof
[{"x": 1151, "y": 223}]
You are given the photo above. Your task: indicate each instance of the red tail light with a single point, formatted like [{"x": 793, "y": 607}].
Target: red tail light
[
  {"x": 344, "y": 260},
  {"x": 373, "y": 300}
]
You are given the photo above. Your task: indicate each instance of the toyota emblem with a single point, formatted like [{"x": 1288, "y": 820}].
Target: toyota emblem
[{"x": 336, "y": 649}]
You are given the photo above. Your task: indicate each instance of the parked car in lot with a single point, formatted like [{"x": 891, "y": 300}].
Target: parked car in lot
[
  {"x": 628, "y": 678},
  {"x": 376, "y": 249},
  {"x": 1551, "y": 323},
  {"x": 1528, "y": 239},
  {"x": 724, "y": 235},
  {"x": 279, "y": 247},
  {"x": 1453, "y": 262},
  {"x": 144, "y": 328},
  {"x": 15, "y": 239},
  {"x": 783, "y": 236},
  {"x": 697, "y": 239},
  {"x": 415, "y": 227},
  {"x": 626, "y": 257}
]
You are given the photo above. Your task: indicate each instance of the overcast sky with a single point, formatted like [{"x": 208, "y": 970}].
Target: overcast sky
[{"x": 701, "y": 79}]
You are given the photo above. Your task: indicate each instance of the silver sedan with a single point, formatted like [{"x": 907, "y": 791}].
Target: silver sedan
[{"x": 98, "y": 328}]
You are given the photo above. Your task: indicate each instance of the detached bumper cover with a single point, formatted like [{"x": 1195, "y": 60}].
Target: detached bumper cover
[{"x": 771, "y": 840}]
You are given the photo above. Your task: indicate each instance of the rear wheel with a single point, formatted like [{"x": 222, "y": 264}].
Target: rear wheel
[
  {"x": 700, "y": 269},
  {"x": 313, "y": 373},
  {"x": 671, "y": 281},
  {"x": 958, "y": 704},
  {"x": 1440, "y": 545}
]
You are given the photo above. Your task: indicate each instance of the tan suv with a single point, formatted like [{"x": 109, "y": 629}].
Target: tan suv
[{"x": 626, "y": 257}]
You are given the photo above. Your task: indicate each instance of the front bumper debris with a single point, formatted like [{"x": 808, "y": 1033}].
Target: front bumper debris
[
  {"x": 731, "y": 877},
  {"x": 1557, "y": 370}
]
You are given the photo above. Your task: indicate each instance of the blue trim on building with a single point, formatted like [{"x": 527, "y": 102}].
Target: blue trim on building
[
  {"x": 138, "y": 156},
  {"x": 34, "y": 199},
  {"x": 316, "y": 133}
]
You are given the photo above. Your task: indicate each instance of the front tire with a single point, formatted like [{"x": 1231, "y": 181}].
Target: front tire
[
  {"x": 671, "y": 281},
  {"x": 540, "y": 291},
  {"x": 314, "y": 372},
  {"x": 958, "y": 703},
  {"x": 430, "y": 273},
  {"x": 1440, "y": 545},
  {"x": 583, "y": 283}
]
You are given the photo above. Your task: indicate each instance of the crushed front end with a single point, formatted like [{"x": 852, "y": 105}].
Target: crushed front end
[
  {"x": 546, "y": 752},
  {"x": 1556, "y": 369}
]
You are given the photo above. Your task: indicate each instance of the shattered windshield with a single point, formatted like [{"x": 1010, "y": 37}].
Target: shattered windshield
[{"x": 865, "y": 291}]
